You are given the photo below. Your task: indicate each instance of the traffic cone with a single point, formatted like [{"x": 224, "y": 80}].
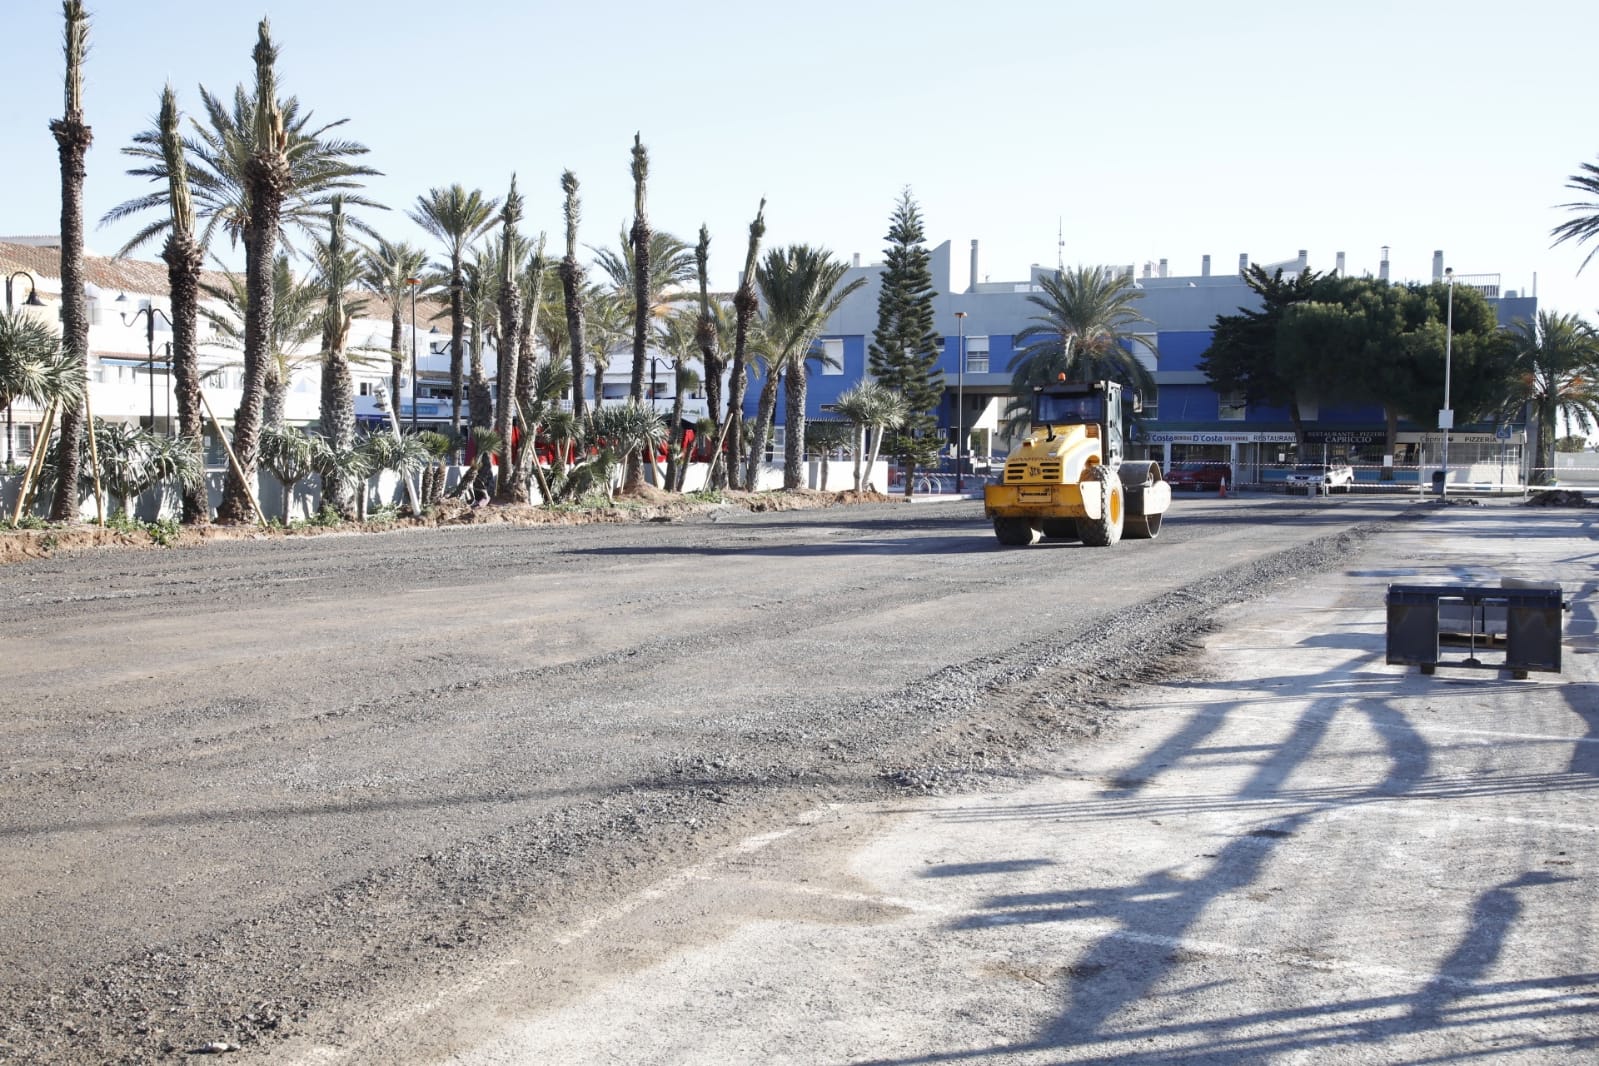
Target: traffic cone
[{"x": 1224, "y": 488}]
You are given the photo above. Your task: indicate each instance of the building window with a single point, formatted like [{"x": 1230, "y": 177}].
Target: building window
[
  {"x": 1151, "y": 400},
  {"x": 1232, "y": 406},
  {"x": 830, "y": 356},
  {"x": 977, "y": 355},
  {"x": 366, "y": 388}
]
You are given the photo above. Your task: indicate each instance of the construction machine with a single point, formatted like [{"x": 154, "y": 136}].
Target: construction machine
[{"x": 1069, "y": 480}]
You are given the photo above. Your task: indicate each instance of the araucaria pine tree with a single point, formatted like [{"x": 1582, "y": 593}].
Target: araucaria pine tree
[{"x": 903, "y": 355}]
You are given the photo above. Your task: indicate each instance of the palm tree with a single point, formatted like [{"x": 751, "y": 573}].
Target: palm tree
[
  {"x": 572, "y": 288},
  {"x": 218, "y": 156},
  {"x": 456, "y": 218},
  {"x": 529, "y": 373},
  {"x": 679, "y": 341},
  {"x": 388, "y": 271},
  {"x": 1086, "y": 330},
  {"x": 73, "y": 138},
  {"x": 405, "y": 455},
  {"x": 1557, "y": 372},
  {"x": 296, "y": 321},
  {"x": 871, "y": 408},
  {"x": 605, "y": 324},
  {"x": 480, "y": 294},
  {"x": 1585, "y": 226},
  {"x": 800, "y": 287},
  {"x": 339, "y": 268}
]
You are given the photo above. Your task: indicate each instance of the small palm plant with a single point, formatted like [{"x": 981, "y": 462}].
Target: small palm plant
[
  {"x": 609, "y": 435},
  {"x": 288, "y": 455},
  {"x": 438, "y": 447},
  {"x": 34, "y": 366},
  {"x": 405, "y": 455},
  {"x": 346, "y": 465},
  {"x": 131, "y": 461},
  {"x": 824, "y": 438},
  {"x": 870, "y": 408}
]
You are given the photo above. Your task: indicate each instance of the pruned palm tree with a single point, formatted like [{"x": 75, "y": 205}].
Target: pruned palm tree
[
  {"x": 1557, "y": 372},
  {"x": 871, "y": 409},
  {"x": 388, "y": 270},
  {"x": 73, "y": 138},
  {"x": 511, "y": 489},
  {"x": 800, "y": 287},
  {"x": 573, "y": 285},
  {"x": 745, "y": 307},
  {"x": 707, "y": 336},
  {"x": 455, "y": 217},
  {"x": 1585, "y": 227},
  {"x": 535, "y": 272}
]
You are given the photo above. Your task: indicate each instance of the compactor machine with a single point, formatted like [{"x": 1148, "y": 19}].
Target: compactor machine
[{"x": 1068, "y": 479}]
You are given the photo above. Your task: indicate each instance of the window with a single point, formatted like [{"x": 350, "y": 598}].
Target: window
[
  {"x": 977, "y": 355},
  {"x": 1151, "y": 400},
  {"x": 366, "y": 388},
  {"x": 830, "y": 354},
  {"x": 1232, "y": 406}
]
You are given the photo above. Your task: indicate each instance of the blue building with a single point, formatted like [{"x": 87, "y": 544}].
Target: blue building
[{"x": 1186, "y": 420}]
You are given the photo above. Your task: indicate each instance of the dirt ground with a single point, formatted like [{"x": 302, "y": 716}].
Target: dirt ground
[{"x": 251, "y": 788}]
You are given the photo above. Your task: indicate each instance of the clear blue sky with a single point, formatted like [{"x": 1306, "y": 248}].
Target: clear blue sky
[{"x": 1147, "y": 130}]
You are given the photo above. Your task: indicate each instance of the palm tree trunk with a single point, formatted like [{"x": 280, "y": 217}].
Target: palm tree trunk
[
  {"x": 511, "y": 488},
  {"x": 1390, "y": 439},
  {"x": 763, "y": 428},
  {"x": 572, "y": 291},
  {"x": 73, "y": 139},
  {"x": 184, "y": 261},
  {"x": 527, "y": 461},
  {"x": 457, "y": 340},
  {"x": 633, "y": 480},
  {"x": 397, "y": 358},
  {"x": 860, "y": 446},
  {"x": 274, "y": 393},
  {"x": 745, "y": 304},
  {"x": 705, "y": 337},
  {"x": 794, "y": 388}
]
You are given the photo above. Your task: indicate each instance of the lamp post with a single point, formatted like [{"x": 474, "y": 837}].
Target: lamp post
[
  {"x": 415, "y": 391},
  {"x": 671, "y": 364},
  {"x": 960, "y": 401},
  {"x": 149, "y": 311},
  {"x": 32, "y": 301},
  {"x": 33, "y": 291},
  {"x": 1446, "y": 417}
]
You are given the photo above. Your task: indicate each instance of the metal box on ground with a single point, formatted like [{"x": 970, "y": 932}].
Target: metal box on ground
[{"x": 1522, "y": 619}]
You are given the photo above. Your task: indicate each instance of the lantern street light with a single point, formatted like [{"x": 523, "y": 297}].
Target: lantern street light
[
  {"x": 149, "y": 311},
  {"x": 1446, "y": 417},
  {"x": 415, "y": 391},
  {"x": 960, "y": 400},
  {"x": 671, "y": 364},
  {"x": 33, "y": 291},
  {"x": 32, "y": 301}
]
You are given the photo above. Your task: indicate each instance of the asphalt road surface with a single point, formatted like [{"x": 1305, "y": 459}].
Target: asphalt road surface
[{"x": 280, "y": 795}]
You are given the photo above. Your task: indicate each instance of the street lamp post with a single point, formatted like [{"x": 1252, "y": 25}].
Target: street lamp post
[
  {"x": 1446, "y": 417},
  {"x": 671, "y": 364},
  {"x": 33, "y": 291},
  {"x": 149, "y": 311},
  {"x": 960, "y": 401},
  {"x": 32, "y": 301},
  {"x": 415, "y": 391}
]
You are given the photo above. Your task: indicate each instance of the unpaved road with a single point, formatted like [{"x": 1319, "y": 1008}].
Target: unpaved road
[{"x": 250, "y": 789}]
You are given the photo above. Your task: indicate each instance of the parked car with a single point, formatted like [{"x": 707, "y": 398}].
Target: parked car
[
  {"x": 1197, "y": 476},
  {"x": 1320, "y": 477}
]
